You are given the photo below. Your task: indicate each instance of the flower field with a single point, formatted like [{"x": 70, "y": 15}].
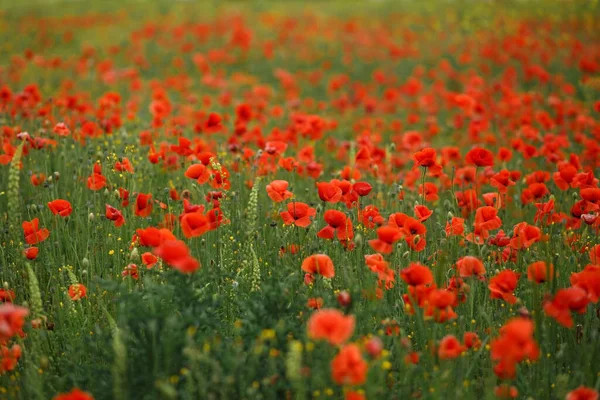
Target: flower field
[{"x": 255, "y": 200}]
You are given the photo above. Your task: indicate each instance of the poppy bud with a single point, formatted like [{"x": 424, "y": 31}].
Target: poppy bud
[
  {"x": 450, "y": 215},
  {"x": 358, "y": 239},
  {"x": 85, "y": 262},
  {"x": 344, "y": 299},
  {"x": 31, "y": 253},
  {"x": 406, "y": 254},
  {"x": 308, "y": 279},
  {"x": 91, "y": 217},
  {"x": 106, "y": 192},
  {"x": 117, "y": 194},
  {"x": 589, "y": 219},
  {"x": 36, "y": 323},
  {"x": 56, "y": 175},
  {"x": 49, "y": 179},
  {"x": 405, "y": 342},
  {"x": 374, "y": 347},
  {"x": 134, "y": 255},
  {"x": 524, "y": 312},
  {"x": 24, "y": 136}
]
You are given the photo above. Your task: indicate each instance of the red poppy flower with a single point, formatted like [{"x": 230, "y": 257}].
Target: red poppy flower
[
  {"x": 61, "y": 129},
  {"x": 417, "y": 274},
  {"x": 6, "y": 296},
  {"x": 503, "y": 285},
  {"x": 315, "y": 303},
  {"x": 153, "y": 237},
  {"x": 329, "y": 192},
  {"x": 149, "y": 260},
  {"x": 77, "y": 291},
  {"x": 143, "y": 205},
  {"x": 277, "y": 191},
  {"x": 525, "y": 235},
  {"x": 31, "y": 253},
  {"x": 74, "y": 394},
  {"x": 582, "y": 392},
  {"x": 455, "y": 227},
  {"x": 60, "y": 207},
  {"x": 124, "y": 165},
  {"x": 426, "y": 158},
  {"x": 331, "y": 325},
  {"x": 114, "y": 215},
  {"x": 450, "y": 347},
  {"x": 514, "y": 345},
  {"x": 96, "y": 181},
  {"x": 362, "y": 188},
  {"x": 480, "y": 157},
  {"x": 506, "y": 391},
  {"x": 565, "y": 301},
  {"x": 319, "y": 264},
  {"x": 33, "y": 234},
  {"x": 386, "y": 236},
  {"x": 487, "y": 219},
  {"x": 194, "y": 224},
  {"x": 414, "y": 232},
  {"x": 469, "y": 266},
  {"x": 298, "y": 214},
  {"x": 38, "y": 179},
  {"x": 198, "y": 172},
  {"x": 471, "y": 340},
  {"x": 540, "y": 272},
  {"x": 176, "y": 254},
  {"x": 337, "y": 223},
  {"x": 422, "y": 212},
  {"x": 348, "y": 367},
  {"x": 588, "y": 280}
]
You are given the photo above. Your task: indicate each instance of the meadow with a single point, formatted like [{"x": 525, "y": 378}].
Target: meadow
[{"x": 294, "y": 200}]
